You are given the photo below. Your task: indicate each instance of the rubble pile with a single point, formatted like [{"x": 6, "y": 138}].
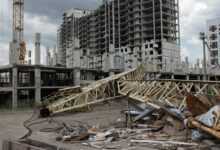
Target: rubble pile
[{"x": 165, "y": 128}]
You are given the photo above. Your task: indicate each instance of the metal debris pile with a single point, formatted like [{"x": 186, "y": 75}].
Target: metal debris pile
[{"x": 164, "y": 128}]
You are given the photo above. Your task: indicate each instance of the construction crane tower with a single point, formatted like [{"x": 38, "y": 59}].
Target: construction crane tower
[{"x": 17, "y": 45}]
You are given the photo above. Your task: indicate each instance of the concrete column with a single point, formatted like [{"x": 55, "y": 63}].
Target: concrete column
[
  {"x": 111, "y": 58},
  {"x": 48, "y": 56},
  {"x": 29, "y": 57},
  {"x": 208, "y": 77},
  {"x": 187, "y": 77},
  {"x": 198, "y": 77},
  {"x": 205, "y": 77},
  {"x": 15, "y": 90},
  {"x": 147, "y": 76},
  {"x": 172, "y": 77},
  {"x": 119, "y": 25},
  {"x": 111, "y": 73},
  {"x": 37, "y": 48},
  {"x": 113, "y": 23},
  {"x": 37, "y": 85},
  {"x": 77, "y": 76}
]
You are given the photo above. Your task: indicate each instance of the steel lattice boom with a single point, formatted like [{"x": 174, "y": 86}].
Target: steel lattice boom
[
  {"x": 172, "y": 93},
  {"x": 99, "y": 91}
]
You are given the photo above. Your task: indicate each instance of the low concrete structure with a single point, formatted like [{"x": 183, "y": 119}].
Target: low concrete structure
[{"x": 26, "y": 85}]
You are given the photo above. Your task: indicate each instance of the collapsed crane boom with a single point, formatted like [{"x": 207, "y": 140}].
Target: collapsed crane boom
[
  {"x": 99, "y": 91},
  {"x": 131, "y": 84}
]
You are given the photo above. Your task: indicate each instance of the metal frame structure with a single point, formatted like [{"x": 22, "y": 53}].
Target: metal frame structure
[
  {"x": 18, "y": 46},
  {"x": 171, "y": 93},
  {"x": 99, "y": 91}
]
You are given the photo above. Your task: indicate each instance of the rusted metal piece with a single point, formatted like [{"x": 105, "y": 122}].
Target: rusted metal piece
[
  {"x": 196, "y": 106},
  {"x": 215, "y": 100}
]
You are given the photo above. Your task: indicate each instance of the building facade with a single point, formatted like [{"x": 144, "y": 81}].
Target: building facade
[
  {"x": 121, "y": 34},
  {"x": 213, "y": 36},
  {"x": 66, "y": 34}
]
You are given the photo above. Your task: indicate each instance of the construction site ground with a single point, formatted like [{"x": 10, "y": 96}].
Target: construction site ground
[{"x": 11, "y": 124}]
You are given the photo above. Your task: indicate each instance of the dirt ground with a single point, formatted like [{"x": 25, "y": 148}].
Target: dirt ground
[
  {"x": 11, "y": 124},
  {"x": 101, "y": 116}
]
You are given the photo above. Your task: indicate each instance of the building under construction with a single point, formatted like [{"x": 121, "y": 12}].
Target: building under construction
[
  {"x": 122, "y": 34},
  {"x": 152, "y": 106},
  {"x": 21, "y": 83},
  {"x": 92, "y": 45},
  {"x": 26, "y": 85}
]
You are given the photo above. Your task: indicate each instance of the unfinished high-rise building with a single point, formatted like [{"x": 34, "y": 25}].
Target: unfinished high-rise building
[
  {"x": 213, "y": 36},
  {"x": 122, "y": 34},
  {"x": 65, "y": 34}
]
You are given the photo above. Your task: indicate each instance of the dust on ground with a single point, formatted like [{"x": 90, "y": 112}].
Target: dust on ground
[{"x": 103, "y": 115}]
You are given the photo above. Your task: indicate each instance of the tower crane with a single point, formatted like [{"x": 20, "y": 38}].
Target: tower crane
[{"x": 18, "y": 45}]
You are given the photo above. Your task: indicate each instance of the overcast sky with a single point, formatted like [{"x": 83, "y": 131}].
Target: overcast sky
[{"x": 45, "y": 15}]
